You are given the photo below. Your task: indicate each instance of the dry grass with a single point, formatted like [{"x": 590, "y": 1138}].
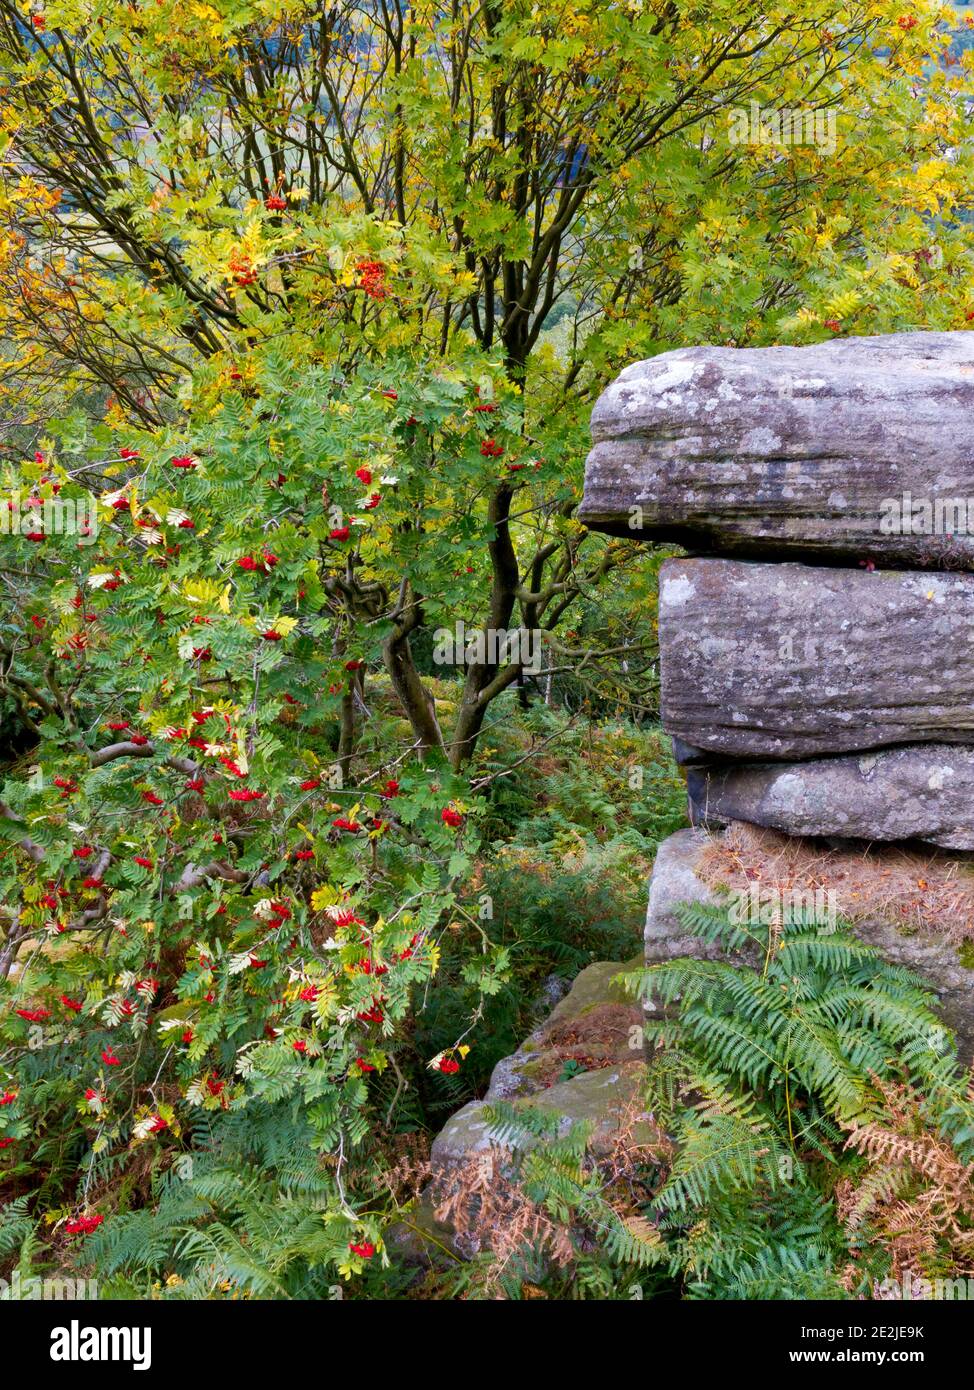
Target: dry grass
[
  {"x": 596, "y": 1039},
  {"x": 928, "y": 892}
]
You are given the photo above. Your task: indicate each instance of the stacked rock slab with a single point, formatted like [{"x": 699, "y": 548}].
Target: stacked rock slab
[
  {"x": 817, "y": 645},
  {"x": 795, "y": 661},
  {"x": 788, "y": 452}
]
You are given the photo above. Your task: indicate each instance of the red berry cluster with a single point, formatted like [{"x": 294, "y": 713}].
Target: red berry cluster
[{"x": 372, "y": 279}]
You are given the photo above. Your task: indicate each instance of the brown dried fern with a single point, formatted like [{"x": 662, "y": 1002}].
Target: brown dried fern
[{"x": 917, "y": 1195}]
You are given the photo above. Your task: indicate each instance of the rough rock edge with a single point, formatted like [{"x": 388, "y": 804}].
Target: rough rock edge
[
  {"x": 918, "y": 791},
  {"x": 787, "y": 452}
]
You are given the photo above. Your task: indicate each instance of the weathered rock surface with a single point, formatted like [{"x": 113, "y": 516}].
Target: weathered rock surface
[
  {"x": 678, "y": 877},
  {"x": 674, "y": 882},
  {"x": 791, "y": 661},
  {"x": 789, "y": 450},
  {"x": 597, "y": 1098},
  {"x": 922, "y": 792},
  {"x": 596, "y": 1026},
  {"x": 592, "y": 1027}
]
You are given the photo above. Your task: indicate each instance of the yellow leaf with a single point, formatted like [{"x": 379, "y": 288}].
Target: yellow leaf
[{"x": 325, "y": 896}]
